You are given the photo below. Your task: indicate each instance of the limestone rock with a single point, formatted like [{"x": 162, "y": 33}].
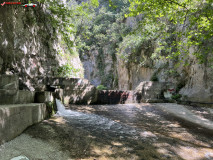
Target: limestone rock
[
  {"x": 153, "y": 91},
  {"x": 29, "y": 47}
]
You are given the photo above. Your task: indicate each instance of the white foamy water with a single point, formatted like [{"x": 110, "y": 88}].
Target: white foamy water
[
  {"x": 65, "y": 112},
  {"x": 95, "y": 122}
]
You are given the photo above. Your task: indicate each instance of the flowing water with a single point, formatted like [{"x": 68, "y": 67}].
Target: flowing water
[
  {"x": 94, "y": 122},
  {"x": 114, "y": 132}
]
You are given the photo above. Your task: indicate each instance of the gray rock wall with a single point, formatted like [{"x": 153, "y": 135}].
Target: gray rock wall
[
  {"x": 195, "y": 80},
  {"x": 100, "y": 68},
  {"x": 28, "y": 45}
]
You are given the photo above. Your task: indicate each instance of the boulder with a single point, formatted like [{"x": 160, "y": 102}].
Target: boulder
[{"x": 152, "y": 91}]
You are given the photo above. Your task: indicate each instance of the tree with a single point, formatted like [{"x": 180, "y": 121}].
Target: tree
[
  {"x": 193, "y": 20},
  {"x": 61, "y": 15}
]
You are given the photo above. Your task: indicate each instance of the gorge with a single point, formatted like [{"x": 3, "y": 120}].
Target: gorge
[{"x": 148, "y": 82}]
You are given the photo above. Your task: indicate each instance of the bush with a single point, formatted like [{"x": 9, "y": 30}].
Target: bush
[
  {"x": 180, "y": 85},
  {"x": 67, "y": 70},
  {"x": 176, "y": 96},
  {"x": 101, "y": 87},
  {"x": 154, "y": 77}
]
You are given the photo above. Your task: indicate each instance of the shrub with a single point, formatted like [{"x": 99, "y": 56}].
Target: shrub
[
  {"x": 154, "y": 77},
  {"x": 101, "y": 87},
  {"x": 176, "y": 96},
  {"x": 67, "y": 70}
]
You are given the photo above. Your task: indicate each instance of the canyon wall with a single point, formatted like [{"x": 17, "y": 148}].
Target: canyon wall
[
  {"x": 30, "y": 47},
  {"x": 193, "y": 81}
]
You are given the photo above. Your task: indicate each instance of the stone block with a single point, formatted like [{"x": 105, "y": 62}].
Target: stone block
[
  {"x": 25, "y": 97},
  {"x": 14, "y": 119},
  {"x": 16, "y": 97},
  {"x": 7, "y": 96},
  {"x": 10, "y": 82},
  {"x": 87, "y": 95}
]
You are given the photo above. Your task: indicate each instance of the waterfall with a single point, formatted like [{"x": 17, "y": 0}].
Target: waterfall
[{"x": 65, "y": 112}]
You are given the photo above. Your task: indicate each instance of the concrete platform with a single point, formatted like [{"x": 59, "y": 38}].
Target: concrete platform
[
  {"x": 16, "y": 97},
  {"x": 14, "y": 119},
  {"x": 186, "y": 113}
]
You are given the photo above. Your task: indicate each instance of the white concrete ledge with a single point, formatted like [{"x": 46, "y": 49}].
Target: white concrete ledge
[
  {"x": 182, "y": 112},
  {"x": 14, "y": 119}
]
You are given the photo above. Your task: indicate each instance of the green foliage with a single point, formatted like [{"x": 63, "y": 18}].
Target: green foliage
[
  {"x": 193, "y": 20},
  {"x": 172, "y": 73},
  {"x": 101, "y": 87},
  {"x": 104, "y": 27},
  {"x": 154, "y": 77},
  {"x": 67, "y": 70},
  {"x": 60, "y": 19},
  {"x": 130, "y": 50},
  {"x": 131, "y": 44},
  {"x": 101, "y": 30},
  {"x": 61, "y": 15},
  {"x": 176, "y": 96}
]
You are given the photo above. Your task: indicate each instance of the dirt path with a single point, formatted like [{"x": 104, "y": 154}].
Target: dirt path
[{"x": 137, "y": 131}]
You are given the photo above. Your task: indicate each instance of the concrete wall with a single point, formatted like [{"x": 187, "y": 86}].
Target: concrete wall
[
  {"x": 118, "y": 97},
  {"x": 72, "y": 90},
  {"x": 14, "y": 119}
]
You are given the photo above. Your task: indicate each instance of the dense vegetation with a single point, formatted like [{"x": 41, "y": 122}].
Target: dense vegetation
[
  {"x": 185, "y": 23},
  {"x": 102, "y": 30},
  {"x": 163, "y": 28},
  {"x": 60, "y": 14}
]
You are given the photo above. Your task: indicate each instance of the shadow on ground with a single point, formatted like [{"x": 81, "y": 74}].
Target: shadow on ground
[{"x": 124, "y": 132}]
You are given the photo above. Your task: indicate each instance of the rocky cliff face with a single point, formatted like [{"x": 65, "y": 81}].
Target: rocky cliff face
[
  {"x": 130, "y": 75},
  {"x": 199, "y": 82},
  {"x": 100, "y": 68},
  {"x": 29, "y": 46},
  {"x": 194, "y": 81}
]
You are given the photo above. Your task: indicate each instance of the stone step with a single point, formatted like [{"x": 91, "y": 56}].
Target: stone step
[
  {"x": 7, "y": 96},
  {"x": 16, "y": 96},
  {"x": 9, "y": 82},
  {"x": 14, "y": 119}
]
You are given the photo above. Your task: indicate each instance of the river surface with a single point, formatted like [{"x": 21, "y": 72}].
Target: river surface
[{"x": 99, "y": 132}]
